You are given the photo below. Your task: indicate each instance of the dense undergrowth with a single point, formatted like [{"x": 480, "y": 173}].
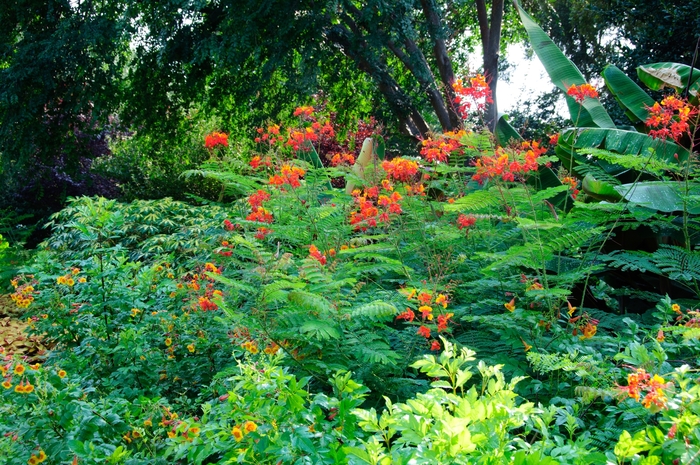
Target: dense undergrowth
[{"x": 483, "y": 300}]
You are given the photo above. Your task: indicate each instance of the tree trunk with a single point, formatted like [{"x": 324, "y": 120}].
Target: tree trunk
[
  {"x": 442, "y": 58},
  {"x": 491, "y": 43},
  {"x": 411, "y": 120}
]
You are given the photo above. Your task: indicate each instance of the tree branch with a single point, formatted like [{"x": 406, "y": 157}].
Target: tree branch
[{"x": 442, "y": 58}]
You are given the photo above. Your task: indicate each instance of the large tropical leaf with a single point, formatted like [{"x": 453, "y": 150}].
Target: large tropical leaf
[
  {"x": 659, "y": 195},
  {"x": 628, "y": 94},
  {"x": 505, "y": 133},
  {"x": 564, "y": 74},
  {"x": 656, "y": 76},
  {"x": 617, "y": 141}
]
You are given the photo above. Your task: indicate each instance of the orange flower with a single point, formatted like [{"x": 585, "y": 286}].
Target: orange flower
[
  {"x": 424, "y": 331},
  {"x": 316, "y": 255},
  {"x": 214, "y": 139},
  {"x": 510, "y": 306},
  {"x": 237, "y": 433},
  {"x": 579, "y": 93},
  {"x": 249, "y": 427},
  {"x": 408, "y": 315}
]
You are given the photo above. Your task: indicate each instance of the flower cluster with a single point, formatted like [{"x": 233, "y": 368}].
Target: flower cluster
[
  {"x": 573, "y": 185},
  {"x": 342, "y": 159},
  {"x": 216, "y": 138},
  {"x": 579, "y": 93},
  {"x": 439, "y": 149},
  {"x": 289, "y": 175},
  {"x": 507, "y": 166},
  {"x": 24, "y": 293},
  {"x": 641, "y": 382},
  {"x": 239, "y": 431},
  {"x": 670, "y": 118},
  {"x": 400, "y": 169},
  {"x": 465, "y": 221},
  {"x": 477, "y": 95},
  {"x": 258, "y": 161},
  {"x": 368, "y": 201},
  {"x": 426, "y": 303},
  {"x": 583, "y": 324},
  {"x": 271, "y": 136},
  {"x": 315, "y": 254}
]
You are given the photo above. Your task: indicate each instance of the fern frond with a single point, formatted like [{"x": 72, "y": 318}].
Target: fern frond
[
  {"x": 678, "y": 263},
  {"x": 632, "y": 261},
  {"x": 310, "y": 301},
  {"x": 376, "y": 311},
  {"x": 479, "y": 201}
]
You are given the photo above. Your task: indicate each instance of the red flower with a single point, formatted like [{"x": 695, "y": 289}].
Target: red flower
[
  {"x": 435, "y": 345},
  {"x": 400, "y": 169},
  {"x": 214, "y": 139},
  {"x": 408, "y": 315},
  {"x": 464, "y": 221},
  {"x": 262, "y": 232},
  {"x": 477, "y": 95},
  {"x": 424, "y": 331},
  {"x": 579, "y": 93},
  {"x": 316, "y": 255}
]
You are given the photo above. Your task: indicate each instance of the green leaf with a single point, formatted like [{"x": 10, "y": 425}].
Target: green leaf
[
  {"x": 505, "y": 133},
  {"x": 656, "y": 76},
  {"x": 628, "y": 94},
  {"x": 618, "y": 141},
  {"x": 564, "y": 74},
  {"x": 320, "y": 329},
  {"x": 657, "y": 195},
  {"x": 600, "y": 190}
]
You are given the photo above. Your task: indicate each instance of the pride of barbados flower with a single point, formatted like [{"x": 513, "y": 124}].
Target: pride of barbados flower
[
  {"x": 580, "y": 93},
  {"x": 215, "y": 139},
  {"x": 670, "y": 118}
]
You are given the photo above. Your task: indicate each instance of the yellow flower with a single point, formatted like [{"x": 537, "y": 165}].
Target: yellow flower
[
  {"x": 194, "y": 430},
  {"x": 7, "y": 384},
  {"x": 82, "y": 280},
  {"x": 70, "y": 282},
  {"x": 676, "y": 308},
  {"x": 135, "y": 312},
  {"x": 237, "y": 433},
  {"x": 41, "y": 456},
  {"x": 148, "y": 422},
  {"x": 61, "y": 280},
  {"x": 441, "y": 299},
  {"x": 527, "y": 346},
  {"x": 36, "y": 366},
  {"x": 19, "y": 369},
  {"x": 190, "y": 347},
  {"x": 249, "y": 426},
  {"x": 33, "y": 460},
  {"x": 571, "y": 309},
  {"x": 510, "y": 306},
  {"x": 135, "y": 434},
  {"x": 171, "y": 434},
  {"x": 62, "y": 374},
  {"x": 75, "y": 270},
  {"x": 168, "y": 342}
]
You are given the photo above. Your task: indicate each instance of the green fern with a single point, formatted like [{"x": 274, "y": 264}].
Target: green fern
[
  {"x": 678, "y": 263},
  {"x": 374, "y": 312}
]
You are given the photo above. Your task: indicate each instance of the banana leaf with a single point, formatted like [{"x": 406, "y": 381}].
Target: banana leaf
[
  {"x": 600, "y": 190},
  {"x": 564, "y": 74},
  {"x": 618, "y": 141},
  {"x": 656, "y": 76},
  {"x": 628, "y": 94},
  {"x": 505, "y": 132},
  {"x": 658, "y": 195}
]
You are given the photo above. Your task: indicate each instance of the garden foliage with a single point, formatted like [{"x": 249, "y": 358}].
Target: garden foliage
[{"x": 305, "y": 322}]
